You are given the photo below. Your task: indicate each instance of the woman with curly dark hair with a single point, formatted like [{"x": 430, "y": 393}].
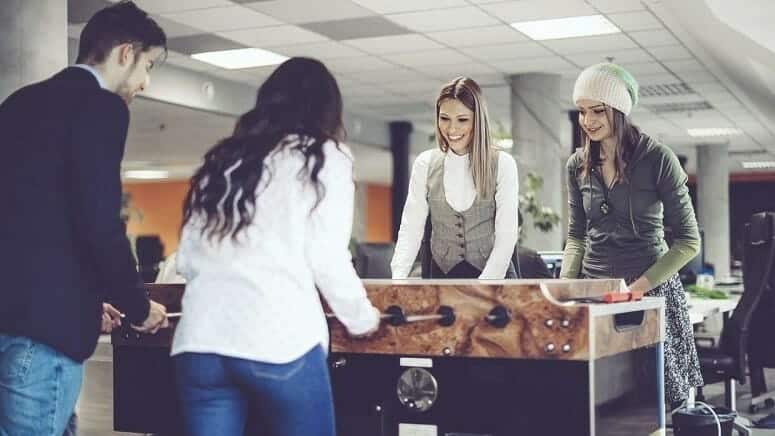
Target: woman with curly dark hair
[{"x": 267, "y": 220}]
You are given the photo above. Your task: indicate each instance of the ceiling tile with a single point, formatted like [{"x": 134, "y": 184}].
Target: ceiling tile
[
  {"x": 443, "y": 56},
  {"x": 484, "y": 2},
  {"x": 590, "y": 44},
  {"x": 394, "y": 44},
  {"x": 165, "y": 6},
  {"x": 487, "y": 53},
  {"x": 428, "y": 88},
  {"x": 174, "y": 29},
  {"x": 496, "y": 34},
  {"x": 694, "y": 77},
  {"x": 643, "y": 68},
  {"x": 529, "y": 10},
  {"x": 361, "y": 63},
  {"x": 222, "y": 19},
  {"x": 201, "y": 43},
  {"x": 685, "y": 65},
  {"x": 393, "y": 6},
  {"x": 185, "y": 61},
  {"x": 474, "y": 70},
  {"x": 305, "y": 11},
  {"x": 638, "y": 20},
  {"x": 670, "y": 52},
  {"x": 354, "y": 28},
  {"x": 80, "y": 11},
  {"x": 729, "y": 105},
  {"x": 444, "y": 19},
  {"x": 274, "y": 36},
  {"x": 708, "y": 88},
  {"x": 654, "y": 38},
  {"x": 534, "y": 65},
  {"x": 323, "y": 50},
  {"x": 657, "y": 79},
  {"x": 395, "y": 75},
  {"x": 610, "y": 6},
  {"x": 618, "y": 56}
]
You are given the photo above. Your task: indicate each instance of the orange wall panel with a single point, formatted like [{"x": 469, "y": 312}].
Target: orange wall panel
[
  {"x": 161, "y": 206},
  {"x": 378, "y": 213},
  {"x": 161, "y": 203}
]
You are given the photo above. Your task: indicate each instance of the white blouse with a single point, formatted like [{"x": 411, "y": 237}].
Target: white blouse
[
  {"x": 257, "y": 298},
  {"x": 460, "y": 193}
]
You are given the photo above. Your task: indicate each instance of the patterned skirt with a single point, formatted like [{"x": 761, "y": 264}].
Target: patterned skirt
[{"x": 682, "y": 366}]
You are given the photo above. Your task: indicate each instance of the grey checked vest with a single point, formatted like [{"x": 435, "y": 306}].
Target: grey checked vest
[{"x": 459, "y": 236}]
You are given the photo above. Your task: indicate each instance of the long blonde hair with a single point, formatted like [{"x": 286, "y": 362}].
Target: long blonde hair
[{"x": 482, "y": 152}]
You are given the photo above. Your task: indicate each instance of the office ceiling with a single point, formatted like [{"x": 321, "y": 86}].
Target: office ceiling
[{"x": 391, "y": 56}]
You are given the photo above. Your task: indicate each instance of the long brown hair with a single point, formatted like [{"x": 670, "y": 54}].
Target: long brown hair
[
  {"x": 482, "y": 153},
  {"x": 300, "y": 97},
  {"x": 627, "y": 137}
]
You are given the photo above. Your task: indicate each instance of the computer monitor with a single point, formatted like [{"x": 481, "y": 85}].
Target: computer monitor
[{"x": 553, "y": 261}]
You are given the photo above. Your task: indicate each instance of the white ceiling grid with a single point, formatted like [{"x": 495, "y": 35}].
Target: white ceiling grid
[{"x": 406, "y": 49}]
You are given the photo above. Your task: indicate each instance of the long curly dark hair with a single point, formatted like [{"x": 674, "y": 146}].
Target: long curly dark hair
[{"x": 301, "y": 98}]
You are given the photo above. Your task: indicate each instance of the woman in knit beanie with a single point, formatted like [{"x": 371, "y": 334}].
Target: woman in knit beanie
[{"x": 620, "y": 184}]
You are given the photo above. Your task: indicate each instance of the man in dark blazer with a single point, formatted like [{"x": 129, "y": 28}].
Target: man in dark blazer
[{"x": 63, "y": 246}]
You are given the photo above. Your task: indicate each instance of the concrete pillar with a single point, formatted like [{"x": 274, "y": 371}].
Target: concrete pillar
[
  {"x": 400, "y": 132},
  {"x": 33, "y": 42},
  {"x": 537, "y": 120},
  {"x": 713, "y": 205},
  {"x": 359, "y": 211}
]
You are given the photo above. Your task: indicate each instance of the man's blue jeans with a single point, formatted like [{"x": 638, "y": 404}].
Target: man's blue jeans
[
  {"x": 218, "y": 394},
  {"x": 38, "y": 388}
]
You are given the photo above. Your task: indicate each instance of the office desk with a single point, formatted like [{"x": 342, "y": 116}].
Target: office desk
[{"x": 702, "y": 308}]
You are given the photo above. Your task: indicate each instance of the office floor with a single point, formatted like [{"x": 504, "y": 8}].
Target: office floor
[{"x": 96, "y": 404}]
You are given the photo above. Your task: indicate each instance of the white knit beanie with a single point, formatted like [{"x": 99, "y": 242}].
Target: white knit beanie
[{"x": 609, "y": 84}]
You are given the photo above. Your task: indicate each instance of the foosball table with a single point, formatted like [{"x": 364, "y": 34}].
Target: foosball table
[{"x": 457, "y": 358}]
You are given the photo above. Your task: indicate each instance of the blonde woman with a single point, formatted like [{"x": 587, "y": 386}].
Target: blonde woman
[{"x": 470, "y": 191}]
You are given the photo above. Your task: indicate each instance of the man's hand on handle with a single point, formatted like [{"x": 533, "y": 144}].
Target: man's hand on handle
[
  {"x": 157, "y": 319},
  {"x": 111, "y": 318}
]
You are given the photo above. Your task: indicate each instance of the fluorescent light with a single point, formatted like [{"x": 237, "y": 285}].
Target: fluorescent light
[
  {"x": 759, "y": 165},
  {"x": 240, "y": 58},
  {"x": 715, "y": 131},
  {"x": 572, "y": 27},
  {"x": 504, "y": 143},
  {"x": 146, "y": 174}
]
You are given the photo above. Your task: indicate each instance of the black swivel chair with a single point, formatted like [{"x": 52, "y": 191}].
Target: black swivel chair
[
  {"x": 372, "y": 260},
  {"x": 761, "y": 345},
  {"x": 727, "y": 362}
]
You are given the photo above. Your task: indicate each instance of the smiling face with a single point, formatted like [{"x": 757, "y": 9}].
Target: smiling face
[
  {"x": 594, "y": 118},
  {"x": 456, "y": 125}
]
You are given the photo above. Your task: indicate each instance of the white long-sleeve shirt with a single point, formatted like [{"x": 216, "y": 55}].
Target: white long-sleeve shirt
[
  {"x": 256, "y": 299},
  {"x": 460, "y": 193}
]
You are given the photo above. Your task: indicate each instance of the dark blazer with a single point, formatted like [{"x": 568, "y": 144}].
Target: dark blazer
[{"x": 63, "y": 246}]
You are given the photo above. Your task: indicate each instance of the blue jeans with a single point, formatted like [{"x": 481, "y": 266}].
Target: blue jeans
[
  {"x": 218, "y": 394},
  {"x": 38, "y": 388}
]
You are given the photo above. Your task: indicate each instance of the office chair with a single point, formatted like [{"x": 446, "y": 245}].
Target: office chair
[
  {"x": 372, "y": 260},
  {"x": 760, "y": 253},
  {"x": 727, "y": 361}
]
